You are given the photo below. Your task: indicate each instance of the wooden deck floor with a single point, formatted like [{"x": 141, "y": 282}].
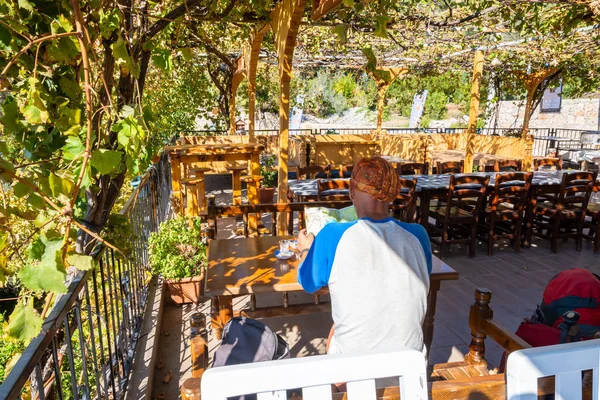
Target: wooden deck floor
[{"x": 516, "y": 281}]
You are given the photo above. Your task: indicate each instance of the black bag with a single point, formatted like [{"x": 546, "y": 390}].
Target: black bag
[{"x": 246, "y": 340}]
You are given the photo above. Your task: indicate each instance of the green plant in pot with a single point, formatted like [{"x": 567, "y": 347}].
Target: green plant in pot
[
  {"x": 177, "y": 252},
  {"x": 269, "y": 174}
]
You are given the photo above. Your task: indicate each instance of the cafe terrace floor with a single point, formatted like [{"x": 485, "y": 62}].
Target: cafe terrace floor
[{"x": 517, "y": 282}]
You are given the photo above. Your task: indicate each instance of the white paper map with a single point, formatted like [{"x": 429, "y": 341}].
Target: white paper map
[{"x": 317, "y": 217}]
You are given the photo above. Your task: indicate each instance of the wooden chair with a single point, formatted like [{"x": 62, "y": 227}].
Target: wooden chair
[
  {"x": 404, "y": 207},
  {"x": 450, "y": 167},
  {"x": 504, "y": 214},
  {"x": 413, "y": 169},
  {"x": 457, "y": 217},
  {"x": 344, "y": 171},
  {"x": 507, "y": 166},
  {"x": 333, "y": 189},
  {"x": 592, "y": 220},
  {"x": 566, "y": 211},
  {"x": 313, "y": 171},
  {"x": 542, "y": 164}
]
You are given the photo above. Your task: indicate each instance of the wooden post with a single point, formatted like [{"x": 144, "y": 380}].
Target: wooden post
[
  {"x": 285, "y": 21},
  {"x": 380, "y": 103},
  {"x": 238, "y": 77},
  {"x": 532, "y": 81},
  {"x": 175, "y": 178},
  {"x": 251, "y": 52},
  {"x": 198, "y": 345},
  {"x": 473, "y": 109}
]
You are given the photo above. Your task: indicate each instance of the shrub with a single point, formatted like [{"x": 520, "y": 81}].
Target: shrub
[
  {"x": 177, "y": 250},
  {"x": 267, "y": 171}
]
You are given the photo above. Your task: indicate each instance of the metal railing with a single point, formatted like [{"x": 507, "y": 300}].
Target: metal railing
[{"x": 86, "y": 346}]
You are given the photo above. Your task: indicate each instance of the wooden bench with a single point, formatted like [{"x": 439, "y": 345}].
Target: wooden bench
[{"x": 470, "y": 379}]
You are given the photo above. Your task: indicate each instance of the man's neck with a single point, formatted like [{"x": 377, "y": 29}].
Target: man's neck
[{"x": 374, "y": 215}]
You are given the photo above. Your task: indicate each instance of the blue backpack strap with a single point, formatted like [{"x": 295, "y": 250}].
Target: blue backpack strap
[{"x": 554, "y": 310}]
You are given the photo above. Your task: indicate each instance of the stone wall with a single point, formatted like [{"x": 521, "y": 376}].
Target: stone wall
[{"x": 574, "y": 114}]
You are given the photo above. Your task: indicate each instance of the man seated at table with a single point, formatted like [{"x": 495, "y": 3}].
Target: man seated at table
[{"x": 377, "y": 268}]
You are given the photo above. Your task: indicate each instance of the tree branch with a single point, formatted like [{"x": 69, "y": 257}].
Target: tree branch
[{"x": 465, "y": 19}]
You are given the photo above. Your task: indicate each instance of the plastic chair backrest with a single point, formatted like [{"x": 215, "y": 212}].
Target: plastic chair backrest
[{"x": 316, "y": 374}]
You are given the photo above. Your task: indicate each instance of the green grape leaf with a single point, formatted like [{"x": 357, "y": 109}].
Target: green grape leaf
[
  {"x": 21, "y": 190},
  {"x": 106, "y": 161},
  {"x": 6, "y": 169},
  {"x": 49, "y": 274},
  {"x": 35, "y": 251},
  {"x": 341, "y": 31},
  {"x": 24, "y": 323},
  {"x": 162, "y": 59},
  {"x": 34, "y": 115},
  {"x": 81, "y": 262},
  {"x": 26, "y": 5},
  {"x": 3, "y": 148},
  {"x": 381, "y": 28},
  {"x": 60, "y": 185},
  {"x": 10, "y": 111},
  {"x": 36, "y": 201},
  {"x": 69, "y": 87},
  {"x": 5, "y": 36},
  {"x": 187, "y": 53},
  {"x": 121, "y": 55},
  {"x": 72, "y": 148},
  {"x": 127, "y": 111},
  {"x": 109, "y": 22},
  {"x": 3, "y": 240},
  {"x": 349, "y": 3}
]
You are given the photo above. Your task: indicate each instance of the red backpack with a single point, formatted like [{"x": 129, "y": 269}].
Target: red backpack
[{"x": 572, "y": 290}]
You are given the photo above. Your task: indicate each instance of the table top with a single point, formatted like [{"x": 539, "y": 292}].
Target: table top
[
  {"x": 249, "y": 265},
  {"x": 308, "y": 187},
  {"x": 394, "y": 159},
  {"x": 577, "y": 155}
]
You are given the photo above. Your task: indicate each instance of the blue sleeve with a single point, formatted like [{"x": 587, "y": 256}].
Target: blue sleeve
[
  {"x": 420, "y": 233},
  {"x": 314, "y": 271}
]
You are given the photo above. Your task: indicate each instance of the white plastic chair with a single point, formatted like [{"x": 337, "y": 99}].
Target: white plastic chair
[
  {"x": 564, "y": 361},
  {"x": 272, "y": 379}
]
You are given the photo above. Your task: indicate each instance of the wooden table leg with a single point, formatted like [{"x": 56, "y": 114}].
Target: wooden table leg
[
  {"x": 221, "y": 312},
  {"x": 434, "y": 287},
  {"x": 237, "y": 186}
]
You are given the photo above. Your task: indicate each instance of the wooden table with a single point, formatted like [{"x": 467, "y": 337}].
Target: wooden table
[
  {"x": 183, "y": 157},
  {"x": 249, "y": 266},
  {"x": 480, "y": 159},
  {"x": 395, "y": 160}
]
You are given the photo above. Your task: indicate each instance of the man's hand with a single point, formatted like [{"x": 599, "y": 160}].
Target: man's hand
[{"x": 305, "y": 240}]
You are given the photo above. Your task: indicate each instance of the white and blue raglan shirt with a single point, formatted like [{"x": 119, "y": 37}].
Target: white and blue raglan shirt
[{"x": 378, "y": 278}]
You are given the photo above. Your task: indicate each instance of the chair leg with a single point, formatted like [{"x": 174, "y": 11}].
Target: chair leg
[
  {"x": 554, "y": 240},
  {"x": 473, "y": 241},
  {"x": 579, "y": 237},
  {"x": 518, "y": 236},
  {"x": 491, "y": 237},
  {"x": 597, "y": 238},
  {"x": 443, "y": 244}
]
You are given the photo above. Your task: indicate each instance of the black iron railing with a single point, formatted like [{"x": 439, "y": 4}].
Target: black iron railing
[{"x": 86, "y": 346}]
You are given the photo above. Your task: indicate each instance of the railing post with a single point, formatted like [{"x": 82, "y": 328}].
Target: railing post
[{"x": 479, "y": 313}]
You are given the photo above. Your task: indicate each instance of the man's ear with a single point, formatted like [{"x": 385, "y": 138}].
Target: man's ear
[{"x": 351, "y": 193}]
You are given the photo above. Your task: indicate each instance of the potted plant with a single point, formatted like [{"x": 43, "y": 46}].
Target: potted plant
[
  {"x": 177, "y": 252},
  {"x": 269, "y": 174}
]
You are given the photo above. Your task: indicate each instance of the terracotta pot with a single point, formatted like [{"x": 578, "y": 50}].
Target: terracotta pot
[
  {"x": 267, "y": 194},
  {"x": 186, "y": 290}
]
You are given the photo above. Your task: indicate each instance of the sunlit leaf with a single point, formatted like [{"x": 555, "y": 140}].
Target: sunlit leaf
[
  {"x": 162, "y": 59},
  {"x": 70, "y": 87},
  {"x": 72, "y": 148},
  {"x": 26, "y": 5},
  {"x": 81, "y": 262},
  {"x": 21, "y": 190},
  {"x": 341, "y": 31},
  {"x": 121, "y": 55},
  {"x": 48, "y": 274},
  {"x": 24, "y": 323},
  {"x": 381, "y": 28},
  {"x": 60, "y": 185},
  {"x": 106, "y": 161},
  {"x": 10, "y": 115}
]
